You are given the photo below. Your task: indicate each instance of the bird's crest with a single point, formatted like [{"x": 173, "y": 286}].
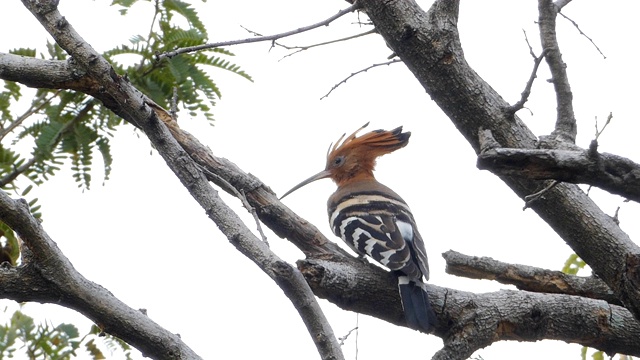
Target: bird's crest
[
  {"x": 354, "y": 158},
  {"x": 373, "y": 144}
]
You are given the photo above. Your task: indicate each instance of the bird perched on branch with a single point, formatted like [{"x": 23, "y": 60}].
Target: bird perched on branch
[{"x": 373, "y": 220}]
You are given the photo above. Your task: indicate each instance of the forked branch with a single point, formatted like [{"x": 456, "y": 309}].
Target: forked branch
[{"x": 274, "y": 37}]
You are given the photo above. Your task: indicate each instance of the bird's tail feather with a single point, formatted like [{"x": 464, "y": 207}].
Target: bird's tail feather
[{"x": 415, "y": 302}]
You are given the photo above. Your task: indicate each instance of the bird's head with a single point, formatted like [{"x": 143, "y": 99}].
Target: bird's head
[{"x": 354, "y": 158}]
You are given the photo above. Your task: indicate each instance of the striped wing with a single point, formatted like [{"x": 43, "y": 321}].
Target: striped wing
[{"x": 379, "y": 224}]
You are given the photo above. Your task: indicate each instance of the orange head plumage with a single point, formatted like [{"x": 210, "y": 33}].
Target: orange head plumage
[{"x": 354, "y": 158}]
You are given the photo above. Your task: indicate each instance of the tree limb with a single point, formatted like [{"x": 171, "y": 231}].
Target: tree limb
[
  {"x": 467, "y": 321},
  {"x": 48, "y": 276},
  {"x": 45, "y": 74},
  {"x": 429, "y": 44},
  {"x": 258, "y": 38},
  {"x": 615, "y": 174},
  {"x": 528, "y": 278},
  {"x": 566, "y": 128},
  {"x": 133, "y": 106}
]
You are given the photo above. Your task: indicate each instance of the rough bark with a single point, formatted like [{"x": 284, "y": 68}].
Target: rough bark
[
  {"x": 429, "y": 44},
  {"x": 528, "y": 278},
  {"x": 48, "y": 276},
  {"x": 468, "y": 322},
  {"x": 125, "y": 100},
  {"x": 609, "y": 172}
]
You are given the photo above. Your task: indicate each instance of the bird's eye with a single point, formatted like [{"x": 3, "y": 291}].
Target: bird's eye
[{"x": 338, "y": 160}]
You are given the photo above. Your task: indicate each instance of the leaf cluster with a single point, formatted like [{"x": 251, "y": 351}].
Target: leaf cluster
[
  {"x": 63, "y": 127},
  {"x": 21, "y": 335},
  {"x": 58, "y": 129},
  {"x": 187, "y": 75}
]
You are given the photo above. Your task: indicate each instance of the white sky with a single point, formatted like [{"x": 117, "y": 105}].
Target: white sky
[{"x": 142, "y": 236}]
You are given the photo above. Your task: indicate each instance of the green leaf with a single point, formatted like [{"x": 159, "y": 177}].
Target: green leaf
[
  {"x": 188, "y": 12},
  {"x": 573, "y": 265},
  {"x": 26, "y": 190},
  {"x": 69, "y": 329},
  {"x": 93, "y": 350},
  {"x": 10, "y": 246},
  {"x": 24, "y": 52}
]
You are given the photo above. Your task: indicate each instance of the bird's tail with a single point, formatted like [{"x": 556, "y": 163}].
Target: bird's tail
[{"x": 415, "y": 302}]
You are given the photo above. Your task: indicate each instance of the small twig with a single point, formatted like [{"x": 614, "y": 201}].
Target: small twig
[
  {"x": 357, "y": 333},
  {"x": 140, "y": 66},
  {"x": 527, "y": 89},
  {"x": 174, "y": 104},
  {"x": 35, "y": 107},
  {"x": 325, "y": 22},
  {"x": 615, "y": 217},
  {"x": 303, "y": 48},
  {"x": 346, "y": 336},
  {"x": 359, "y": 72},
  {"x": 599, "y": 132},
  {"x": 253, "y": 212},
  {"x": 593, "y": 146},
  {"x": 582, "y": 33},
  {"x": 240, "y": 195},
  {"x": 307, "y": 47},
  {"x": 529, "y": 199},
  {"x": 526, "y": 39}
]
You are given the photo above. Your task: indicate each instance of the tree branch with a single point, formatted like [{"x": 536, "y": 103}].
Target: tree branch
[
  {"x": 566, "y": 128},
  {"x": 575, "y": 24},
  {"x": 48, "y": 276},
  {"x": 133, "y": 106},
  {"x": 528, "y": 278},
  {"x": 505, "y": 315},
  {"x": 609, "y": 172},
  {"x": 429, "y": 44},
  {"x": 527, "y": 89},
  {"x": 344, "y": 81},
  {"x": 325, "y": 22},
  {"x": 45, "y": 74}
]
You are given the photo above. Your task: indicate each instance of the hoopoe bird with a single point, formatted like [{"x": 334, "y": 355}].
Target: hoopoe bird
[{"x": 375, "y": 221}]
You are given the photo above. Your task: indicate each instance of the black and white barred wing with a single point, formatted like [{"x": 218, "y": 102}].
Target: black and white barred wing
[{"x": 381, "y": 238}]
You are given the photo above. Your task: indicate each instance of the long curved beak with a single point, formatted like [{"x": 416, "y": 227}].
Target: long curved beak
[{"x": 321, "y": 175}]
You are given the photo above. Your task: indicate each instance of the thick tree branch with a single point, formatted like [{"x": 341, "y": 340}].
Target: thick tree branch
[
  {"x": 566, "y": 128},
  {"x": 429, "y": 44},
  {"x": 468, "y": 322},
  {"x": 609, "y": 172},
  {"x": 133, "y": 106},
  {"x": 528, "y": 278},
  {"x": 48, "y": 276},
  {"x": 45, "y": 74}
]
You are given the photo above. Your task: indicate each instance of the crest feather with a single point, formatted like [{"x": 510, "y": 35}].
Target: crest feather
[{"x": 374, "y": 143}]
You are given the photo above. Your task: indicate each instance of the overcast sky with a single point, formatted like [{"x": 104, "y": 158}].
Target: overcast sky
[{"x": 143, "y": 237}]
